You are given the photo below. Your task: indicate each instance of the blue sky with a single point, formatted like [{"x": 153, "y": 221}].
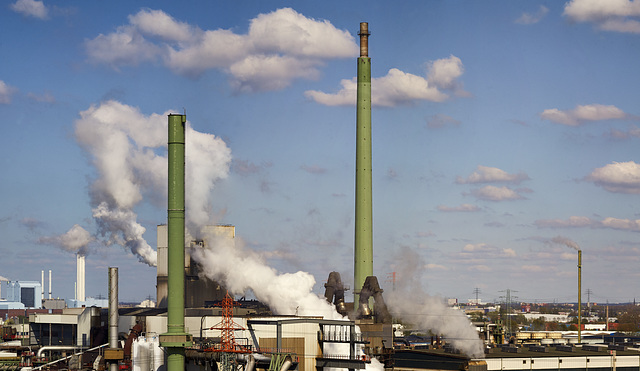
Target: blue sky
[{"x": 503, "y": 134}]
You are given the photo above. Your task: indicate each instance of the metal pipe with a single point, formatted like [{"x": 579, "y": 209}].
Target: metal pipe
[
  {"x": 113, "y": 313},
  {"x": 251, "y": 364},
  {"x": 363, "y": 241},
  {"x": 176, "y": 339},
  {"x": 62, "y": 347},
  {"x": 286, "y": 364},
  {"x": 579, "y": 296}
]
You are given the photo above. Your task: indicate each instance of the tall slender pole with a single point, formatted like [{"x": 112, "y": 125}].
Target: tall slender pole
[
  {"x": 579, "y": 296},
  {"x": 175, "y": 340},
  {"x": 113, "y": 313},
  {"x": 363, "y": 244}
]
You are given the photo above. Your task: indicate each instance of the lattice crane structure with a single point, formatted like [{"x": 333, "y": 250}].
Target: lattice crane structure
[{"x": 228, "y": 347}]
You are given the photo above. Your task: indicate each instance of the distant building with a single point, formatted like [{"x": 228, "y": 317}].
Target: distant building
[
  {"x": 25, "y": 293},
  {"x": 54, "y": 304},
  {"x": 88, "y": 302}
]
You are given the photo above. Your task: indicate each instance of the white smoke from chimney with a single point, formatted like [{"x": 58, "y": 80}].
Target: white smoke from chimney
[
  {"x": 410, "y": 303},
  {"x": 128, "y": 150},
  {"x": 240, "y": 270},
  {"x": 565, "y": 241},
  {"x": 75, "y": 240}
]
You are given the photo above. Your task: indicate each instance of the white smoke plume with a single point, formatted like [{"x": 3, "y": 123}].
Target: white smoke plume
[
  {"x": 75, "y": 240},
  {"x": 565, "y": 241},
  {"x": 240, "y": 270},
  {"x": 410, "y": 303},
  {"x": 128, "y": 151}
]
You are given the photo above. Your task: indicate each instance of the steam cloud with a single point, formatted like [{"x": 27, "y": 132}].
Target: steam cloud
[
  {"x": 75, "y": 240},
  {"x": 240, "y": 270},
  {"x": 565, "y": 241},
  {"x": 412, "y": 304},
  {"x": 128, "y": 151}
]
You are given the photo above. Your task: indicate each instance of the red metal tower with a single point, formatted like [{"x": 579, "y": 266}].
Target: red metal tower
[{"x": 227, "y": 328}]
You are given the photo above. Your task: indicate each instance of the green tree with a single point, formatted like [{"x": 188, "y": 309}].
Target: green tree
[
  {"x": 538, "y": 324},
  {"x": 629, "y": 321}
]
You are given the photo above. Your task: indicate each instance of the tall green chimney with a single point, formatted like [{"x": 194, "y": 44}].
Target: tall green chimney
[
  {"x": 363, "y": 244},
  {"x": 176, "y": 339}
]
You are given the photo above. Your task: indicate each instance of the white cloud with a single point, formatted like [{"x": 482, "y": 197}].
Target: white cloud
[
  {"x": 622, "y": 224},
  {"x": 585, "y": 222},
  {"x": 461, "y": 208},
  {"x": 493, "y": 193},
  {"x": 125, "y": 47},
  {"x": 610, "y": 15},
  {"x": 532, "y": 268},
  {"x": 398, "y": 87},
  {"x": 287, "y": 32},
  {"x": 580, "y": 114},
  {"x": 6, "y": 92},
  {"x": 572, "y": 222},
  {"x": 618, "y": 177},
  {"x": 31, "y": 8},
  {"x": 483, "y": 250},
  {"x": 445, "y": 72},
  {"x": 159, "y": 24},
  {"x": 480, "y": 268},
  {"x": 270, "y": 72},
  {"x": 438, "y": 267},
  {"x": 486, "y": 174},
  {"x": 533, "y": 18},
  {"x": 279, "y": 47}
]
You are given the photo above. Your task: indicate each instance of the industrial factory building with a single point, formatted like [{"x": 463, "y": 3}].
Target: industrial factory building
[
  {"x": 22, "y": 294},
  {"x": 199, "y": 290}
]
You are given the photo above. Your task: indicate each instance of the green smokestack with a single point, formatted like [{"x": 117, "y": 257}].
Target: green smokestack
[
  {"x": 363, "y": 244},
  {"x": 176, "y": 339}
]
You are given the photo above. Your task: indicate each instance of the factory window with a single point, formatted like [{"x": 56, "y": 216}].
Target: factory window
[
  {"x": 524, "y": 361},
  {"x": 27, "y": 296}
]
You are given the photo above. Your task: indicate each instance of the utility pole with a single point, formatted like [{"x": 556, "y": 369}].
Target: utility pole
[
  {"x": 477, "y": 291},
  {"x": 508, "y": 307}
]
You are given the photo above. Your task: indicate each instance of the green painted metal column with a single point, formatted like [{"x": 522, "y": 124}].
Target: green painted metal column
[
  {"x": 176, "y": 339},
  {"x": 363, "y": 244}
]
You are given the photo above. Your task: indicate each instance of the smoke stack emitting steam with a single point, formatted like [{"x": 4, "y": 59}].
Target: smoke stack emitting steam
[
  {"x": 127, "y": 149},
  {"x": 80, "y": 278},
  {"x": 412, "y": 304}
]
